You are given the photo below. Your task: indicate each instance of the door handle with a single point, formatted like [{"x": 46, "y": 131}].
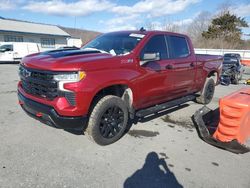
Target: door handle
[
  {"x": 169, "y": 66},
  {"x": 192, "y": 64}
]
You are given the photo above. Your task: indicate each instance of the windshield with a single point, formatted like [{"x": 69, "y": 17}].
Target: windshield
[
  {"x": 232, "y": 55},
  {"x": 6, "y": 47},
  {"x": 115, "y": 43}
]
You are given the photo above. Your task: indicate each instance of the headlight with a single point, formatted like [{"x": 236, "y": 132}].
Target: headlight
[{"x": 69, "y": 78}]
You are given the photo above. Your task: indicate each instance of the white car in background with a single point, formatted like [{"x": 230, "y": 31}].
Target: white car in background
[{"x": 13, "y": 52}]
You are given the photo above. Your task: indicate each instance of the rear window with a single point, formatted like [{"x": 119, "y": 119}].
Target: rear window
[
  {"x": 230, "y": 60},
  {"x": 232, "y": 55},
  {"x": 179, "y": 47}
]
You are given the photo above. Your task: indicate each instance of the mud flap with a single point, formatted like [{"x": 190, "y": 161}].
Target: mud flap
[{"x": 206, "y": 122}]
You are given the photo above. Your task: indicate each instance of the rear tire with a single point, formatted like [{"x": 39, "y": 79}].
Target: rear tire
[
  {"x": 108, "y": 120},
  {"x": 207, "y": 92},
  {"x": 236, "y": 79}
]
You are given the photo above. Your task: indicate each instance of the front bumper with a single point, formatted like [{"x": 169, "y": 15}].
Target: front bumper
[{"x": 49, "y": 116}]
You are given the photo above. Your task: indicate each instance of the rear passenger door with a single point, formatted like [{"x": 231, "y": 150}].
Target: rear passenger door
[{"x": 183, "y": 69}]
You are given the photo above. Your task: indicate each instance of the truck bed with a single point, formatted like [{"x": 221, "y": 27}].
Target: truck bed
[{"x": 209, "y": 58}]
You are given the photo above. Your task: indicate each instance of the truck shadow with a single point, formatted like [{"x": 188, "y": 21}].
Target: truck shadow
[{"x": 154, "y": 173}]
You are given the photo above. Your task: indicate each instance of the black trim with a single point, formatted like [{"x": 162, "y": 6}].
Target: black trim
[
  {"x": 9, "y": 62},
  {"x": 157, "y": 108},
  {"x": 68, "y": 52},
  {"x": 38, "y": 83},
  {"x": 50, "y": 116}
]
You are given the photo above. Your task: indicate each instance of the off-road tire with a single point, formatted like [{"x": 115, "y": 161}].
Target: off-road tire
[
  {"x": 207, "y": 92},
  {"x": 236, "y": 79},
  {"x": 101, "y": 117}
]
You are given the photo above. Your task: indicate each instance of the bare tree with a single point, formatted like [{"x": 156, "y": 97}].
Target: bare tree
[
  {"x": 165, "y": 25},
  {"x": 199, "y": 25},
  {"x": 224, "y": 7},
  {"x": 149, "y": 25},
  {"x": 195, "y": 29},
  {"x": 172, "y": 26}
]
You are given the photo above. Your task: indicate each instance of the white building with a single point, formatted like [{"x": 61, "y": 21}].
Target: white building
[
  {"x": 79, "y": 37},
  {"x": 47, "y": 37},
  {"x": 73, "y": 41}
]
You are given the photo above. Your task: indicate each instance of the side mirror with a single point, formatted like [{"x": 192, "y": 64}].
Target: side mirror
[{"x": 149, "y": 57}]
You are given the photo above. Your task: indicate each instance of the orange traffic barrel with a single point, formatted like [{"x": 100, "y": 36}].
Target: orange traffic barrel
[
  {"x": 234, "y": 123},
  {"x": 246, "y": 62}
]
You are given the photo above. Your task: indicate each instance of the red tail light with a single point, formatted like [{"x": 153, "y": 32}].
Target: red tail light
[{"x": 39, "y": 114}]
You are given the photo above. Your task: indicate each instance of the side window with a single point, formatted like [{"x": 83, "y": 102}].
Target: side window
[
  {"x": 179, "y": 47},
  {"x": 10, "y": 38},
  {"x": 7, "y": 47},
  {"x": 157, "y": 44},
  {"x": 10, "y": 47}
]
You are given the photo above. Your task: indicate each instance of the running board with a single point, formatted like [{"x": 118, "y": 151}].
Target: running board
[{"x": 164, "y": 106}]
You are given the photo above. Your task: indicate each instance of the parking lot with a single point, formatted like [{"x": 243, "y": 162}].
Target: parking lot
[{"x": 164, "y": 151}]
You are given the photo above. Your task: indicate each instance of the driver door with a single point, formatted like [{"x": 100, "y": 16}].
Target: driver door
[{"x": 154, "y": 79}]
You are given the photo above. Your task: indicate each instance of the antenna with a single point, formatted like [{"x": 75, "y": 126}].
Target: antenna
[{"x": 142, "y": 29}]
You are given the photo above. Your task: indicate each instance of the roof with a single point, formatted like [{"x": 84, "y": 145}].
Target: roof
[
  {"x": 147, "y": 32},
  {"x": 8, "y": 25}
]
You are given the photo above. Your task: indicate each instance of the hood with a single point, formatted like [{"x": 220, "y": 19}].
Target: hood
[{"x": 64, "y": 60}]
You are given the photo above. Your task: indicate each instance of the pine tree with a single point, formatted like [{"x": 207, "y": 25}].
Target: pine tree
[{"x": 226, "y": 27}]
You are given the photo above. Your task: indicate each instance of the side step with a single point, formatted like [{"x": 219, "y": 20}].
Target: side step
[{"x": 164, "y": 106}]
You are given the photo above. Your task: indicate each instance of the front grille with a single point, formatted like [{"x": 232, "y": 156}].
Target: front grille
[{"x": 38, "y": 83}]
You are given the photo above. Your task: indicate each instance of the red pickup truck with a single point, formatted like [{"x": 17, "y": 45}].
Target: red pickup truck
[{"x": 115, "y": 78}]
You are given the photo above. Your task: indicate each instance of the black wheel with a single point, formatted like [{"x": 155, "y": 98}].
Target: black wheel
[
  {"x": 108, "y": 120},
  {"x": 207, "y": 92}
]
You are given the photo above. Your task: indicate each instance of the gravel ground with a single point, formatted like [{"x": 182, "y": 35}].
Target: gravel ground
[{"x": 160, "y": 152}]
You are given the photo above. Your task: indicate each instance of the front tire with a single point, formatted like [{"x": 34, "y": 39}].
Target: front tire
[
  {"x": 207, "y": 92},
  {"x": 108, "y": 120}
]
